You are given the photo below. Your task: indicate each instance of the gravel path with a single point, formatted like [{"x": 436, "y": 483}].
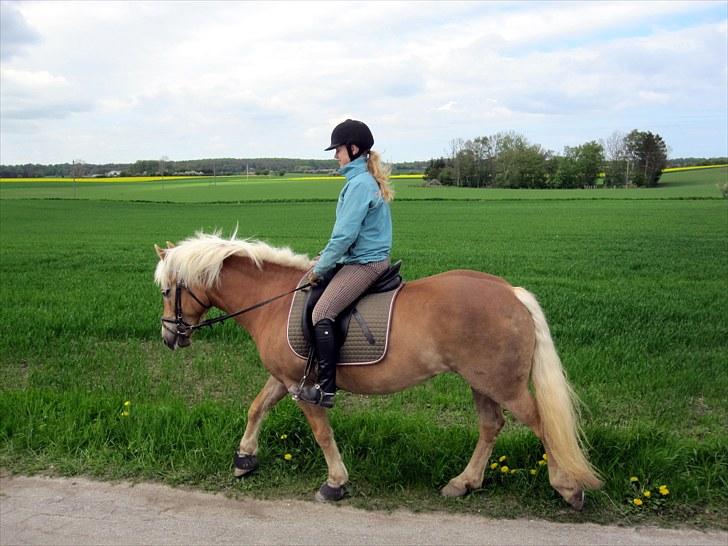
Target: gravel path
[{"x": 39, "y": 510}]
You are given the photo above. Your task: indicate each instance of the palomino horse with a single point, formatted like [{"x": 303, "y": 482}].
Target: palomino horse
[{"x": 493, "y": 334}]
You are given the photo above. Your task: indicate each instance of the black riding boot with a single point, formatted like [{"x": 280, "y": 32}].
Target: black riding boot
[{"x": 323, "y": 392}]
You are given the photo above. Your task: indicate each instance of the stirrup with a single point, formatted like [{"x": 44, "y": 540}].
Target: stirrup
[{"x": 315, "y": 396}]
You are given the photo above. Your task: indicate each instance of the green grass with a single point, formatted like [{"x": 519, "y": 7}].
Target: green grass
[
  {"x": 635, "y": 291},
  {"x": 686, "y": 185}
]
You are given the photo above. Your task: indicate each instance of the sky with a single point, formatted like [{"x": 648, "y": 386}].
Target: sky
[{"x": 120, "y": 81}]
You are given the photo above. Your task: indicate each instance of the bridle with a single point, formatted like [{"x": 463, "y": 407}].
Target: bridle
[{"x": 183, "y": 329}]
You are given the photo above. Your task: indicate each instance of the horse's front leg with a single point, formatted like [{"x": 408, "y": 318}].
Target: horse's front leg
[
  {"x": 333, "y": 488},
  {"x": 272, "y": 392}
]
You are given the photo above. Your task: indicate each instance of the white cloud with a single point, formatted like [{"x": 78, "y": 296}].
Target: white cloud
[{"x": 248, "y": 78}]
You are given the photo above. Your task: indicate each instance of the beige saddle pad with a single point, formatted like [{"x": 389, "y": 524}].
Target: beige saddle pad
[{"x": 376, "y": 309}]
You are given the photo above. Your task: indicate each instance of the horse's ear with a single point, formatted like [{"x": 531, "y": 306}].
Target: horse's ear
[
  {"x": 160, "y": 252},
  {"x": 170, "y": 244}
]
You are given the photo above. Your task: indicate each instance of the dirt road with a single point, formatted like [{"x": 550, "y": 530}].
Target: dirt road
[{"x": 38, "y": 510}]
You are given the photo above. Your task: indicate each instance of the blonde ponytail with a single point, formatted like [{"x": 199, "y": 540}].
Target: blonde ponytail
[{"x": 381, "y": 173}]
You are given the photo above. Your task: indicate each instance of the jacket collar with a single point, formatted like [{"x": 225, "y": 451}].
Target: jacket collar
[{"x": 358, "y": 166}]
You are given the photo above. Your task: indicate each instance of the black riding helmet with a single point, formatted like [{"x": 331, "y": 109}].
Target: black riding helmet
[{"x": 351, "y": 132}]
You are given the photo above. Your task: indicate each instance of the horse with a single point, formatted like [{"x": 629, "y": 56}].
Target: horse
[{"x": 474, "y": 324}]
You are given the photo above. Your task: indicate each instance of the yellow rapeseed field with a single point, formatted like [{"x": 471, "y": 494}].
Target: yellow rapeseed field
[{"x": 125, "y": 179}]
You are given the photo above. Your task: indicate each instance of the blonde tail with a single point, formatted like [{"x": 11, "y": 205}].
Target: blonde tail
[{"x": 556, "y": 401}]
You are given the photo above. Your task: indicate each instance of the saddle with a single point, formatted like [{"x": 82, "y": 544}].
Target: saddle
[
  {"x": 387, "y": 281},
  {"x": 371, "y": 312}
]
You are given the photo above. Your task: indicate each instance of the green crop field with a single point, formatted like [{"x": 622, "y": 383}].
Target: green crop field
[{"x": 634, "y": 283}]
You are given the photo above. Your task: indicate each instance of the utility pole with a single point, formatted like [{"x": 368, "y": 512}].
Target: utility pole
[
  {"x": 162, "y": 161},
  {"x": 76, "y": 166}
]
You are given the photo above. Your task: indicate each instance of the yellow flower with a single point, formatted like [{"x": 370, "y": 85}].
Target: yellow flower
[
  {"x": 127, "y": 404},
  {"x": 502, "y": 458},
  {"x": 504, "y": 469},
  {"x": 541, "y": 462},
  {"x": 637, "y": 502},
  {"x": 513, "y": 470},
  {"x": 125, "y": 413},
  {"x": 545, "y": 456},
  {"x": 288, "y": 457},
  {"x": 633, "y": 479},
  {"x": 533, "y": 471},
  {"x": 494, "y": 466},
  {"x": 284, "y": 436},
  {"x": 664, "y": 491},
  {"x": 647, "y": 494}
]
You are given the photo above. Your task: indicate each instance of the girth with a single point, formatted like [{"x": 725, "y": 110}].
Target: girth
[{"x": 389, "y": 280}]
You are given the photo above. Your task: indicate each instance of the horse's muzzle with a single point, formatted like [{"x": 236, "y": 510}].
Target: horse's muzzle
[{"x": 174, "y": 339}]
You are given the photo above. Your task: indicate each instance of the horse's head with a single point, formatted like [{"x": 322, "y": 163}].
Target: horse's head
[{"x": 183, "y": 308}]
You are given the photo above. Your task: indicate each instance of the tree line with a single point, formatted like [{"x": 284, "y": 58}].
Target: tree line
[
  {"x": 211, "y": 167},
  {"x": 509, "y": 160}
]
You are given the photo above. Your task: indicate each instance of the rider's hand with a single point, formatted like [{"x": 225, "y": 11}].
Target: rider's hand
[{"x": 313, "y": 279}]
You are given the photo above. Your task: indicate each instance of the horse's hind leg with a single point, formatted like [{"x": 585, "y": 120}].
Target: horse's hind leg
[
  {"x": 271, "y": 393},
  {"x": 490, "y": 422},
  {"x": 524, "y": 409}
]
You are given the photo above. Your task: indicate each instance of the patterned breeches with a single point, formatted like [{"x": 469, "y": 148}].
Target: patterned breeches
[{"x": 347, "y": 285}]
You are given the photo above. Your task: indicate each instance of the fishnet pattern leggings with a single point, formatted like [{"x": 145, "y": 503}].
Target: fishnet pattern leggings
[{"x": 347, "y": 285}]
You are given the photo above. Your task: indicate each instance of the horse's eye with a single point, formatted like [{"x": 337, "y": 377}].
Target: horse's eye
[{"x": 165, "y": 292}]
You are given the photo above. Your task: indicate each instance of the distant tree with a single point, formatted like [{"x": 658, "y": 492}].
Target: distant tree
[
  {"x": 456, "y": 146},
  {"x": 432, "y": 171},
  {"x": 579, "y": 166},
  {"x": 649, "y": 154},
  {"x": 618, "y": 163},
  {"x": 519, "y": 164}
]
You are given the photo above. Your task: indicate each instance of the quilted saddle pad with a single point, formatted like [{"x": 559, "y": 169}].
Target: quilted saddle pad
[{"x": 376, "y": 309}]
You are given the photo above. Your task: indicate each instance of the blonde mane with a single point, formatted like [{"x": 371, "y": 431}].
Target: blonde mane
[{"x": 197, "y": 261}]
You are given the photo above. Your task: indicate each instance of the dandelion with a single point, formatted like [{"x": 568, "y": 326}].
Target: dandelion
[
  {"x": 545, "y": 456},
  {"x": 541, "y": 462},
  {"x": 504, "y": 469},
  {"x": 637, "y": 502},
  {"x": 633, "y": 479},
  {"x": 494, "y": 466},
  {"x": 647, "y": 494},
  {"x": 664, "y": 491},
  {"x": 288, "y": 457},
  {"x": 502, "y": 458},
  {"x": 125, "y": 413},
  {"x": 284, "y": 436},
  {"x": 127, "y": 404},
  {"x": 513, "y": 470},
  {"x": 533, "y": 471}
]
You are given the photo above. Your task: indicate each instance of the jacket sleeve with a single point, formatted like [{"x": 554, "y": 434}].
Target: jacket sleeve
[{"x": 349, "y": 219}]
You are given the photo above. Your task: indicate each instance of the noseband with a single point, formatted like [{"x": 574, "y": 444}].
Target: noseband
[{"x": 183, "y": 329}]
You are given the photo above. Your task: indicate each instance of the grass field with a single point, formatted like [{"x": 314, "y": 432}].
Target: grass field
[
  {"x": 686, "y": 185},
  {"x": 634, "y": 283}
]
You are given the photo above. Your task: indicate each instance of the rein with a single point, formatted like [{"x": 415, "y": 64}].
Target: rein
[{"x": 185, "y": 329}]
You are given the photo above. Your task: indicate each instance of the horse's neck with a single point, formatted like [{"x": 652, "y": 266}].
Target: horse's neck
[{"x": 243, "y": 284}]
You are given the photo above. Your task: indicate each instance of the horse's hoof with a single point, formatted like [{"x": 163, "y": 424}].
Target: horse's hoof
[
  {"x": 451, "y": 490},
  {"x": 326, "y": 493},
  {"x": 577, "y": 500},
  {"x": 244, "y": 464}
]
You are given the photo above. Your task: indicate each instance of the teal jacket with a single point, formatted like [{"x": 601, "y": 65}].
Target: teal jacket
[{"x": 363, "y": 229}]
